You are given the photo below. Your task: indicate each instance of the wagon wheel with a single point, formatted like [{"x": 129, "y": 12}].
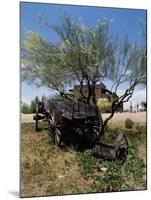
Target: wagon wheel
[
  {"x": 93, "y": 129},
  {"x": 123, "y": 149},
  {"x": 96, "y": 130},
  {"x": 54, "y": 126}
]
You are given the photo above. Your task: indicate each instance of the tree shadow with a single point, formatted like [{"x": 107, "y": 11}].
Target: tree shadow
[{"x": 41, "y": 129}]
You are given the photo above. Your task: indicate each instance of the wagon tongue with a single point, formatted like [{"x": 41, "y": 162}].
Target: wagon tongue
[{"x": 38, "y": 117}]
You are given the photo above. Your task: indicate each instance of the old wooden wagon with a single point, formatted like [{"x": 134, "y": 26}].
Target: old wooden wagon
[{"x": 77, "y": 123}]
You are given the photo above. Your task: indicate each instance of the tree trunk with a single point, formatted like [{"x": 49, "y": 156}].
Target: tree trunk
[{"x": 93, "y": 94}]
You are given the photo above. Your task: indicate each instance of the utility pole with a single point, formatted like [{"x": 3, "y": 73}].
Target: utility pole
[
  {"x": 131, "y": 107},
  {"x": 137, "y": 107}
]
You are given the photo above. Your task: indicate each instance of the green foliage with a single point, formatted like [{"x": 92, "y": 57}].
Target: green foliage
[
  {"x": 134, "y": 166},
  {"x": 88, "y": 163},
  {"x": 25, "y": 108},
  {"x": 109, "y": 181},
  {"x": 135, "y": 136},
  {"x": 106, "y": 174},
  {"x": 141, "y": 129},
  {"x": 97, "y": 175},
  {"x": 80, "y": 47},
  {"x": 83, "y": 54},
  {"x": 111, "y": 175},
  {"x": 143, "y": 105},
  {"x": 55, "y": 189},
  {"x": 33, "y": 104},
  {"x": 104, "y": 105},
  {"x": 111, "y": 133},
  {"x": 51, "y": 176},
  {"x": 129, "y": 123}
]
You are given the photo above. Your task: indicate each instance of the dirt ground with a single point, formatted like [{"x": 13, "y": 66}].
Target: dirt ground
[
  {"x": 137, "y": 117},
  {"x": 50, "y": 170},
  {"x": 47, "y": 169}
]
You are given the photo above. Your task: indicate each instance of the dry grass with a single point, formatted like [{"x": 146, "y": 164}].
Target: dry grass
[{"x": 49, "y": 170}]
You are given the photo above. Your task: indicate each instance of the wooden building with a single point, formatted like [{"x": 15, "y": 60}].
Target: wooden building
[{"x": 100, "y": 91}]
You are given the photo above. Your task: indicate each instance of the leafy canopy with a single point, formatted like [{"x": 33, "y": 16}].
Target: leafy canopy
[{"x": 83, "y": 54}]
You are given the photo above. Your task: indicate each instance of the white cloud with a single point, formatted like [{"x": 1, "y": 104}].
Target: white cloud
[
  {"x": 111, "y": 20},
  {"x": 138, "y": 97},
  {"x": 26, "y": 99}
]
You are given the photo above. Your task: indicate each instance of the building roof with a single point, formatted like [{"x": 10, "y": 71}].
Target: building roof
[{"x": 97, "y": 85}]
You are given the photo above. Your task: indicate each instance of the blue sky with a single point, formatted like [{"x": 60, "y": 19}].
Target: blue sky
[{"x": 122, "y": 21}]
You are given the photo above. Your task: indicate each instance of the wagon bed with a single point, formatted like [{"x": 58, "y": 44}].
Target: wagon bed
[
  {"x": 80, "y": 122},
  {"x": 70, "y": 110}
]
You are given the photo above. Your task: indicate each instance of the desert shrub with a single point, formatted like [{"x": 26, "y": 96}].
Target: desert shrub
[
  {"x": 104, "y": 105},
  {"x": 112, "y": 133},
  {"x": 141, "y": 129},
  {"x": 132, "y": 137},
  {"x": 141, "y": 133},
  {"x": 129, "y": 123}
]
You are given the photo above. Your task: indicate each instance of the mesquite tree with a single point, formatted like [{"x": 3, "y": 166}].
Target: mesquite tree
[{"x": 86, "y": 56}]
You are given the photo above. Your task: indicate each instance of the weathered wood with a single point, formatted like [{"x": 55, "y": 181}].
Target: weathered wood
[
  {"x": 104, "y": 151},
  {"x": 111, "y": 152},
  {"x": 38, "y": 117},
  {"x": 81, "y": 119},
  {"x": 72, "y": 110}
]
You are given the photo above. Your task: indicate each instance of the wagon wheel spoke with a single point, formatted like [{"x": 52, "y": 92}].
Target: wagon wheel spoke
[
  {"x": 94, "y": 129},
  {"x": 54, "y": 124},
  {"x": 96, "y": 132},
  {"x": 57, "y": 137}
]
